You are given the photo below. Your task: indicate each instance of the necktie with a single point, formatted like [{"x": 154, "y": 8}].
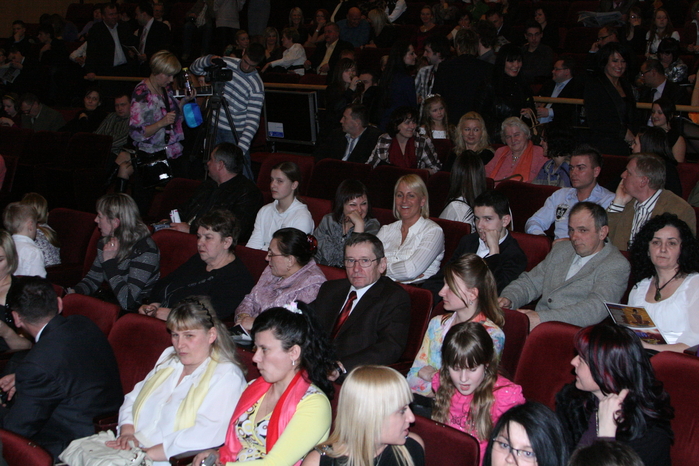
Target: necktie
[
  {"x": 344, "y": 314},
  {"x": 142, "y": 45}
]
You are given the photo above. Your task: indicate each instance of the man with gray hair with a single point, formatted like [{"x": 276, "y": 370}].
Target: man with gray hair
[
  {"x": 576, "y": 278},
  {"x": 640, "y": 196}
]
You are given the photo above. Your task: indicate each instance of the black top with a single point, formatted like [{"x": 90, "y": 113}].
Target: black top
[{"x": 386, "y": 458}]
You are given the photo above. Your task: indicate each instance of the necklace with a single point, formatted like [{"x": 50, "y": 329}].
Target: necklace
[{"x": 659, "y": 288}]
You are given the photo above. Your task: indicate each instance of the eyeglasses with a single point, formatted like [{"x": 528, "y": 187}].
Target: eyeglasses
[
  {"x": 526, "y": 456},
  {"x": 560, "y": 69},
  {"x": 271, "y": 254},
  {"x": 643, "y": 73},
  {"x": 363, "y": 263},
  {"x": 600, "y": 39}
]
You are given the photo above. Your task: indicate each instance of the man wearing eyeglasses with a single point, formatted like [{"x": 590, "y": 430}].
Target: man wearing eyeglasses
[
  {"x": 605, "y": 35},
  {"x": 536, "y": 57},
  {"x": 366, "y": 315}
]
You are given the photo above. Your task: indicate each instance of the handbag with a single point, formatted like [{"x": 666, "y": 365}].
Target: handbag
[
  {"x": 92, "y": 451},
  {"x": 153, "y": 168}
]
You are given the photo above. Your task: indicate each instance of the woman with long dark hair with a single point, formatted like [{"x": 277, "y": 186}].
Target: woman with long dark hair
[
  {"x": 467, "y": 182},
  {"x": 654, "y": 140},
  {"x": 397, "y": 86}
]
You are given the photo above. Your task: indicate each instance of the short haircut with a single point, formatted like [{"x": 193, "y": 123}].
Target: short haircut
[
  {"x": 256, "y": 52},
  {"x": 374, "y": 75},
  {"x": 231, "y": 155},
  {"x": 466, "y": 42},
  {"x": 652, "y": 167},
  {"x": 164, "y": 62},
  {"x": 222, "y": 222},
  {"x": 669, "y": 45},
  {"x": 439, "y": 45},
  {"x": 610, "y": 49},
  {"x": 653, "y": 64},
  {"x": 145, "y": 7},
  {"x": 110, "y": 6},
  {"x": 516, "y": 122},
  {"x": 8, "y": 246},
  {"x": 360, "y": 238},
  {"x": 569, "y": 62},
  {"x": 348, "y": 191},
  {"x": 123, "y": 94},
  {"x": 533, "y": 24},
  {"x": 667, "y": 106},
  {"x": 401, "y": 115},
  {"x": 293, "y": 34},
  {"x": 610, "y": 30},
  {"x": 16, "y": 215},
  {"x": 29, "y": 98},
  {"x": 359, "y": 112},
  {"x": 46, "y": 29},
  {"x": 487, "y": 33},
  {"x": 596, "y": 159},
  {"x": 599, "y": 215},
  {"x": 33, "y": 298},
  {"x": 330, "y": 24},
  {"x": 494, "y": 10},
  {"x": 495, "y": 199},
  {"x": 19, "y": 22}
]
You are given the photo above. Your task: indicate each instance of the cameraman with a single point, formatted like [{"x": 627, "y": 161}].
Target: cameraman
[{"x": 245, "y": 95}]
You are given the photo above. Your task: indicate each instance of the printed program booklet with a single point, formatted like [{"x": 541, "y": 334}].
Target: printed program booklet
[{"x": 638, "y": 320}]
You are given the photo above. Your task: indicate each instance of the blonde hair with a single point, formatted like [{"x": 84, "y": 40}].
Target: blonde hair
[
  {"x": 39, "y": 203},
  {"x": 369, "y": 395},
  {"x": 16, "y": 214},
  {"x": 460, "y": 144},
  {"x": 164, "y": 62},
  {"x": 131, "y": 228},
  {"x": 8, "y": 245},
  {"x": 378, "y": 19},
  {"x": 415, "y": 183}
]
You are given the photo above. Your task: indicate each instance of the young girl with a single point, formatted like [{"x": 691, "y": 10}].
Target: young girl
[
  {"x": 434, "y": 119},
  {"x": 470, "y": 395},
  {"x": 660, "y": 29},
  {"x": 46, "y": 237},
  {"x": 286, "y": 210}
]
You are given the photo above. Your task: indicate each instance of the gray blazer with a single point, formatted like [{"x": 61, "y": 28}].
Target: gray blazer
[{"x": 580, "y": 300}]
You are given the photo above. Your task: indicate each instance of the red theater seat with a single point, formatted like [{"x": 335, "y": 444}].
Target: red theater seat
[
  {"x": 445, "y": 445},
  {"x": 102, "y": 313},
  {"x": 20, "y": 451},
  {"x": 175, "y": 249}
]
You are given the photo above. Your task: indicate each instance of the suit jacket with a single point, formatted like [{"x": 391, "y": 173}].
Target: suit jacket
[
  {"x": 458, "y": 81},
  {"x": 317, "y": 57},
  {"x": 671, "y": 91},
  {"x": 620, "y": 223},
  {"x": 579, "y": 300},
  {"x": 336, "y": 144},
  {"x": 99, "y": 58},
  {"x": 563, "y": 113},
  {"x": 608, "y": 114},
  {"x": 66, "y": 379},
  {"x": 47, "y": 120},
  {"x": 157, "y": 39},
  {"x": 376, "y": 331}
]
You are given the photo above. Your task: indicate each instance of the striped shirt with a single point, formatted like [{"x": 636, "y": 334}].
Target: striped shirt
[
  {"x": 642, "y": 212},
  {"x": 245, "y": 95}
]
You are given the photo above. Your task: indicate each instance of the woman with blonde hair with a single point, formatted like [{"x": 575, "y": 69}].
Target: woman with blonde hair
[
  {"x": 471, "y": 134},
  {"x": 519, "y": 159},
  {"x": 127, "y": 257},
  {"x": 414, "y": 245},
  {"x": 372, "y": 423},
  {"x": 46, "y": 237},
  {"x": 383, "y": 33},
  {"x": 9, "y": 261}
]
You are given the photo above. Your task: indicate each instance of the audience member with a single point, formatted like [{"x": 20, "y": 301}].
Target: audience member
[
  {"x": 342, "y": 90},
  {"x": 11, "y": 110},
  {"x": 328, "y": 53},
  {"x": 467, "y": 182},
  {"x": 152, "y": 36},
  {"x": 436, "y": 51},
  {"x": 660, "y": 28},
  {"x": 228, "y": 25},
  {"x": 549, "y": 28},
  {"x": 21, "y": 220},
  {"x": 435, "y": 123},
  {"x": 563, "y": 85},
  {"x": 19, "y": 38},
  {"x": 465, "y": 21},
  {"x": 427, "y": 29},
  {"x": 24, "y": 74},
  {"x": 296, "y": 21},
  {"x": 354, "y": 29},
  {"x": 653, "y": 140},
  {"x": 351, "y": 215},
  {"x": 10, "y": 337},
  {"x": 316, "y": 33},
  {"x": 39, "y": 117},
  {"x": 537, "y": 57},
  {"x": 159, "y": 14},
  {"x": 354, "y": 142},
  {"x": 471, "y": 136},
  {"x": 662, "y": 116},
  {"x": 639, "y": 197},
  {"x": 676, "y": 70},
  {"x": 576, "y": 278},
  {"x": 657, "y": 86},
  {"x": 90, "y": 117},
  {"x": 199, "y": 19},
  {"x": 519, "y": 158},
  {"x": 585, "y": 168},
  {"x": 558, "y": 143},
  {"x": 397, "y": 86},
  {"x": 107, "y": 45},
  {"x": 487, "y": 40},
  {"x": 367, "y": 315},
  {"x": 116, "y": 123},
  {"x": 273, "y": 49},
  {"x": 606, "y": 34},
  {"x": 294, "y": 55},
  {"x": 46, "y": 238},
  {"x": 496, "y": 16},
  {"x": 606, "y": 453},
  {"x": 383, "y": 33},
  {"x": 67, "y": 378}
]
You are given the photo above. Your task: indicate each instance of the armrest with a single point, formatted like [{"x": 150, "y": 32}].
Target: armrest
[{"x": 105, "y": 422}]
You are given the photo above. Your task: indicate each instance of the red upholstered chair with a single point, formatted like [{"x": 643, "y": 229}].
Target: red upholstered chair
[
  {"x": 382, "y": 180},
  {"x": 11, "y": 163},
  {"x": 453, "y": 232},
  {"x": 318, "y": 208},
  {"x": 305, "y": 163},
  {"x": 329, "y": 173},
  {"x": 245, "y": 356},
  {"x": 103, "y": 314},
  {"x": 443, "y": 147},
  {"x": 612, "y": 168},
  {"x": 74, "y": 230},
  {"x": 445, "y": 445},
  {"x": 333, "y": 273},
  {"x": 689, "y": 176},
  {"x": 12, "y": 140},
  {"x": 20, "y": 451},
  {"x": 41, "y": 148},
  {"x": 680, "y": 376},
  {"x": 525, "y": 199},
  {"x": 91, "y": 251},
  {"x": 536, "y": 247},
  {"x": 175, "y": 249},
  {"x": 176, "y": 193},
  {"x": 384, "y": 216},
  {"x": 544, "y": 366},
  {"x": 438, "y": 187},
  {"x": 516, "y": 330},
  {"x": 313, "y": 79},
  {"x": 420, "y": 310},
  {"x": 254, "y": 260}
]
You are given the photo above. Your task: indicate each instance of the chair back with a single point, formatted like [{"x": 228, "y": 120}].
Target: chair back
[
  {"x": 254, "y": 260},
  {"x": 20, "y": 451},
  {"x": 420, "y": 309},
  {"x": 525, "y": 199},
  {"x": 176, "y": 193},
  {"x": 535, "y": 247},
  {"x": 329, "y": 173},
  {"x": 445, "y": 445},
  {"x": 516, "y": 330},
  {"x": 332, "y": 273},
  {"x": 382, "y": 180},
  {"x": 318, "y": 208},
  {"x": 453, "y": 232},
  {"x": 305, "y": 163},
  {"x": 175, "y": 249},
  {"x": 102, "y": 313}
]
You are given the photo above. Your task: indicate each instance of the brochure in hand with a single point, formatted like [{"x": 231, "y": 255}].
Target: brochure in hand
[{"x": 638, "y": 320}]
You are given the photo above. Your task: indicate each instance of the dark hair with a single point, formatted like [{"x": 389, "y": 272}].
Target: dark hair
[
  {"x": 119, "y": 95},
  {"x": 335, "y": 80},
  {"x": 92, "y": 89},
  {"x": 398, "y": 116},
  {"x": 596, "y": 159},
  {"x": 255, "y": 52},
  {"x": 359, "y": 112},
  {"x": 302, "y": 329},
  {"x": 231, "y": 155},
  {"x": 46, "y": 29},
  {"x": 507, "y": 53},
  {"x": 605, "y": 453},
  {"x": 533, "y": 24},
  {"x": 668, "y": 107},
  {"x": 222, "y": 222},
  {"x": 654, "y": 64},
  {"x": 110, "y": 6},
  {"x": 19, "y": 22},
  {"x": 569, "y": 62},
  {"x": 496, "y": 9},
  {"x": 617, "y": 361},
  {"x": 376, "y": 244},
  {"x": 654, "y": 140},
  {"x": 439, "y": 45},
  {"x": 467, "y": 178},
  {"x": 291, "y": 171},
  {"x": 599, "y": 215},
  {"x": 607, "y": 51},
  {"x": 641, "y": 265},
  {"x": 670, "y": 45},
  {"x": 293, "y": 34},
  {"x": 145, "y": 7},
  {"x": 33, "y": 298},
  {"x": 29, "y": 98},
  {"x": 369, "y": 71},
  {"x": 560, "y": 141},
  {"x": 294, "y": 242},
  {"x": 466, "y": 42},
  {"x": 545, "y": 432},
  {"x": 495, "y": 199},
  {"x": 394, "y": 66},
  {"x": 347, "y": 191}
]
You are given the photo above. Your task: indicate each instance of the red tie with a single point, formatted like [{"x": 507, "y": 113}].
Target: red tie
[{"x": 344, "y": 314}]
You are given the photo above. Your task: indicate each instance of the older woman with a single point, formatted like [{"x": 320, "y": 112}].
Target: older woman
[
  {"x": 665, "y": 258},
  {"x": 609, "y": 102},
  {"x": 471, "y": 135},
  {"x": 470, "y": 295},
  {"x": 127, "y": 259},
  {"x": 662, "y": 113},
  {"x": 414, "y": 245},
  {"x": 294, "y": 54},
  {"x": 351, "y": 214},
  {"x": 374, "y": 401},
  {"x": 186, "y": 401},
  {"x": 292, "y": 275},
  {"x": 285, "y": 412},
  {"x": 402, "y": 146},
  {"x": 215, "y": 272},
  {"x": 616, "y": 395},
  {"x": 9, "y": 339},
  {"x": 520, "y": 159}
]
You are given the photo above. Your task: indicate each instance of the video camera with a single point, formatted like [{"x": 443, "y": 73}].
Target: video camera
[{"x": 218, "y": 72}]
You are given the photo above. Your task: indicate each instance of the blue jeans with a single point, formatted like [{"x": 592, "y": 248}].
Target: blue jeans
[{"x": 225, "y": 135}]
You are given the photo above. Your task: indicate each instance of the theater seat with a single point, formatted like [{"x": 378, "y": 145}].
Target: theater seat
[
  {"x": 453, "y": 232},
  {"x": 445, "y": 445},
  {"x": 381, "y": 182},
  {"x": 525, "y": 199},
  {"x": 254, "y": 260},
  {"x": 332, "y": 273},
  {"x": 102, "y": 313},
  {"x": 20, "y": 451},
  {"x": 384, "y": 216},
  {"x": 74, "y": 230},
  {"x": 175, "y": 249},
  {"x": 318, "y": 208},
  {"x": 176, "y": 193},
  {"x": 420, "y": 310},
  {"x": 516, "y": 330},
  {"x": 535, "y": 247},
  {"x": 438, "y": 187},
  {"x": 329, "y": 173},
  {"x": 305, "y": 163}
]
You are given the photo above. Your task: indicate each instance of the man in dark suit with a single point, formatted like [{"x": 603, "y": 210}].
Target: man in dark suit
[
  {"x": 459, "y": 79},
  {"x": 153, "y": 36},
  {"x": 66, "y": 379},
  {"x": 39, "y": 117},
  {"x": 563, "y": 85},
  {"x": 656, "y": 85},
  {"x": 328, "y": 53},
  {"x": 23, "y": 74},
  {"x": 367, "y": 315},
  {"x": 354, "y": 142}
]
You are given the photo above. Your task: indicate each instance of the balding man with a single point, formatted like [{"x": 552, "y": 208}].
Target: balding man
[{"x": 354, "y": 29}]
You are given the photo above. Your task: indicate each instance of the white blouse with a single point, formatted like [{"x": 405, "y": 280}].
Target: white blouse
[
  {"x": 677, "y": 317},
  {"x": 458, "y": 210},
  {"x": 293, "y": 56},
  {"x": 420, "y": 254},
  {"x": 269, "y": 220},
  {"x": 159, "y": 410}
]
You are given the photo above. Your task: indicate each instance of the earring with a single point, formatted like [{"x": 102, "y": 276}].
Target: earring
[
  {"x": 293, "y": 362},
  {"x": 469, "y": 303}
]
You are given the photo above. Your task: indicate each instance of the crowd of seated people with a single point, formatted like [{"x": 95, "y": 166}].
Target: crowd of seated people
[{"x": 352, "y": 327}]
